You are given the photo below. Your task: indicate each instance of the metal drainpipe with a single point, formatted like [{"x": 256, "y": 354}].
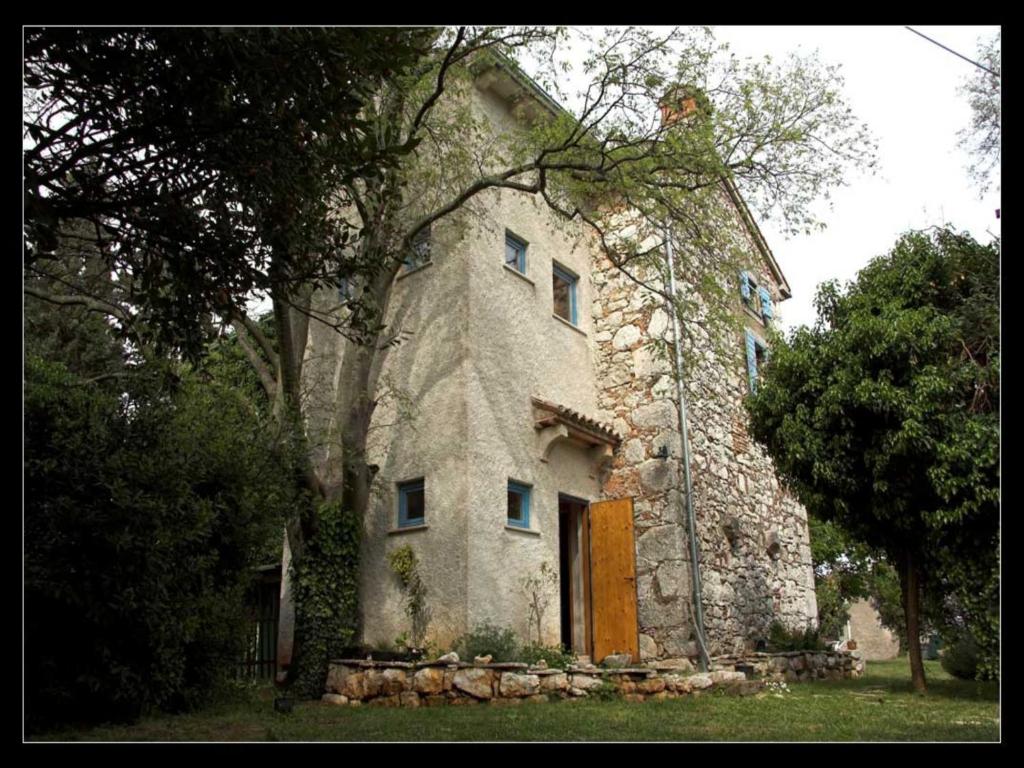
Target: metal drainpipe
[{"x": 698, "y": 611}]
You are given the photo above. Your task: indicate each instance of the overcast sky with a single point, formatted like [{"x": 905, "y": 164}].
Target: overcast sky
[{"x": 905, "y": 89}]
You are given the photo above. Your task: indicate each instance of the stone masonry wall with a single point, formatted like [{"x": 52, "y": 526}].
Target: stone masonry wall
[
  {"x": 435, "y": 683},
  {"x": 753, "y": 538}
]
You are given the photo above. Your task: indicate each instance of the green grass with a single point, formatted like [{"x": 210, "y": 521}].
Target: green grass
[{"x": 877, "y": 707}]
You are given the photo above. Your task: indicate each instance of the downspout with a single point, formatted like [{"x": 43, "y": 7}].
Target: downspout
[{"x": 691, "y": 528}]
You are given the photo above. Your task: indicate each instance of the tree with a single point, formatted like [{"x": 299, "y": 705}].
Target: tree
[
  {"x": 983, "y": 138},
  {"x": 388, "y": 144},
  {"x": 149, "y": 499},
  {"x": 884, "y": 417}
]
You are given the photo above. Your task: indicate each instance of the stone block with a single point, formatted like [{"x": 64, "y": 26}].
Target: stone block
[
  {"x": 648, "y": 647},
  {"x": 334, "y": 698},
  {"x": 478, "y": 683},
  {"x": 393, "y": 681},
  {"x": 429, "y": 681},
  {"x": 516, "y": 685},
  {"x": 556, "y": 682},
  {"x": 651, "y": 685},
  {"x": 586, "y": 682},
  {"x": 699, "y": 682},
  {"x": 409, "y": 699}
]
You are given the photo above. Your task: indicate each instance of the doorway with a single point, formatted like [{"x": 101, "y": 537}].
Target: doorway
[{"x": 574, "y": 573}]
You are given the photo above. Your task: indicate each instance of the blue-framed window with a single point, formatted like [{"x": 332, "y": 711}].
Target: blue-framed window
[
  {"x": 757, "y": 356},
  {"x": 346, "y": 290},
  {"x": 515, "y": 252},
  {"x": 757, "y": 298},
  {"x": 563, "y": 284},
  {"x": 411, "y": 503},
  {"x": 518, "y": 504},
  {"x": 419, "y": 252}
]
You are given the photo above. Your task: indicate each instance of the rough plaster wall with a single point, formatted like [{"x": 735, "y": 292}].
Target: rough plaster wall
[
  {"x": 521, "y": 350},
  {"x": 743, "y": 589},
  {"x": 427, "y": 441},
  {"x": 874, "y": 641}
]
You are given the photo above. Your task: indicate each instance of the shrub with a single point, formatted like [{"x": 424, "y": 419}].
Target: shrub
[
  {"x": 960, "y": 659},
  {"x": 782, "y": 639},
  {"x": 146, "y": 507},
  {"x": 555, "y": 656},
  {"x": 487, "y": 639}
]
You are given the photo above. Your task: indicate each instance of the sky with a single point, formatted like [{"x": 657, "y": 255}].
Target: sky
[{"x": 905, "y": 89}]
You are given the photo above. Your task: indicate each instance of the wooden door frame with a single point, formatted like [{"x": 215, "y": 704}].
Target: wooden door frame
[{"x": 580, "y": 527}]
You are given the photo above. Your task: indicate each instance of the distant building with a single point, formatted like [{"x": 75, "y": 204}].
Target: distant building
[{"x": 874, "y": 641}]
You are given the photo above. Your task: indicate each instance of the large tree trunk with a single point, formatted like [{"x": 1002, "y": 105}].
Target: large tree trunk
[
  {"x": 355, "y": 405},
  {"x": 910, "y": 584}
]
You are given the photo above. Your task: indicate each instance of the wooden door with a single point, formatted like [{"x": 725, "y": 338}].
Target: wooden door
[{"x": 613, "y": 579}]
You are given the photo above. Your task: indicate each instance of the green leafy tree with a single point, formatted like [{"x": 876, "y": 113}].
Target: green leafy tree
[
  {"x": 148, "y": 501},
  {"x": 215, "y": 164},
  {"x": 982, "y": 139},
  {"x": 884, "y": 417}
]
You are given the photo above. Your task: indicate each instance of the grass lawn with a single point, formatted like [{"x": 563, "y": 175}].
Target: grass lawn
[{"x": 877, "y": 707}]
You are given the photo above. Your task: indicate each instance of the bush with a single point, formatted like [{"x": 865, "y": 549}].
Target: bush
[
  {"x": 146, "y": 506},
  {"x": 555, "y": 656},
  {"x": 782, "y": 639},
  {"x": 487, "y": 639},
  {"x": 960, "y": 659}
]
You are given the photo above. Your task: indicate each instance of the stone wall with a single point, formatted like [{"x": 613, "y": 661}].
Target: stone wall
[
  {"x": 753, "y": 537},
  {"x": 394, "y": 683}
]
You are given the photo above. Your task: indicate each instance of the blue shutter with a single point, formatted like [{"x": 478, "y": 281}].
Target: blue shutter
[
  {"x": 751, "y": 360},
  {"x": 745, "y": 285},
  {"x": 766, "y": 303}
]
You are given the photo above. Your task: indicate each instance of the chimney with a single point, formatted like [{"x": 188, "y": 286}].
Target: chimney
[{"x": 679, "y": 103}]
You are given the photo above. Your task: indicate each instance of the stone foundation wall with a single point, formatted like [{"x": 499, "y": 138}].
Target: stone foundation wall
[{"x": 394, "y": 683}]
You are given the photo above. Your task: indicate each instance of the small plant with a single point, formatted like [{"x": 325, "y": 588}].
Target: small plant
[
  {"x": 960, "y": 659},
  {"x": 487, "y": 639},
  {"x": 404, "y": 564},
  {"x": 781, "y": 639},
  {"x": 555, "y": 656},
  {"x": 777, "y": 688},
  {"x": 604, "y": 692},
  {"x": 539, "y": 589}
]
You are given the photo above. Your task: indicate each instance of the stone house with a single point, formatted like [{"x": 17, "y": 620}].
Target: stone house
[{"x": 539, "y": 427}]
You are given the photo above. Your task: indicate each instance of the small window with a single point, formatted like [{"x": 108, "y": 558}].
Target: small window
[
  {"x": 515, "y": 253},
  {"x": 419, "y": 252},
  {"x": 518, "y": 504},
  {"x": 411, "y": 503},
  {"x": 346, "y": 290},
  {"x": 564, "y": 287},
  {"x": 757, "y": 356},
  {"x": 756, "y": 297}
]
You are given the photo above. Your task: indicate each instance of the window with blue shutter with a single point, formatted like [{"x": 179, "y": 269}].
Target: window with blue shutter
[
  {"x": 766, "y": 303},
  {"x": 745, "y": 286},
  {"x": 751, "y": 360},
  {"x": 757, "y": 355}
]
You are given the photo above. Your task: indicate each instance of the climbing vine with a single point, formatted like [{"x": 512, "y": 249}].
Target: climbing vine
[
  {"x": 405, "y": 566},
  {"x": 326, "y": 583}
]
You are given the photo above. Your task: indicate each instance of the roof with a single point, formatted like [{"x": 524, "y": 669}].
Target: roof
[
  {"x": 495, "y": 60},
  {"x": 552, "y": 413}
]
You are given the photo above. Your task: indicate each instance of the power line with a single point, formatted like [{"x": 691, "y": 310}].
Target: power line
[{"x": 972, "y": 61}]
